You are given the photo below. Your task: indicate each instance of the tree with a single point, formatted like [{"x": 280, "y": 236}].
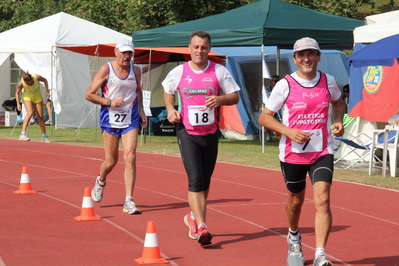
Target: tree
[
  {"x": 155, "y": 13},
  {"x": 120, "y": 15},
  {"x": 344, "y": 8},
  {"x": 126, "y": 16}
]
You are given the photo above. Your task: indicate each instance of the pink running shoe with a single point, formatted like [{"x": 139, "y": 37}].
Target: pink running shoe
[
  {"x": 192, "y": 225},
  {"x": 204, "y": 236}
]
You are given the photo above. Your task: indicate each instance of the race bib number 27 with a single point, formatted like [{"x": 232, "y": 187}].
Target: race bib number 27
[{"x": 119, "y": 117}]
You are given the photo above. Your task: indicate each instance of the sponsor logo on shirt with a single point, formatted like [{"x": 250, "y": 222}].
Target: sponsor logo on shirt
[
  {"x": 207, "y": 79},
  {"x": 189, "y": 92},
  {"x": 300, "y": 105},
  {"x": 310, "y": 95}
]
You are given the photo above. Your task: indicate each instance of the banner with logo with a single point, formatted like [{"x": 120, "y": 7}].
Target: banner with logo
[{"x": 378, "y": 100}]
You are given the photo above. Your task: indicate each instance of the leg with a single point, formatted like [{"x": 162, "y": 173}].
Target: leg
[
  {"x": 295, "y": 180},
  {"x": 293, "y": 208},
  {"x": 49, "y": 106},
  {"x": 39, "y": 113},
  {"x": 197, "y": 202},
  {"x": 111, "y": 145},
  {"x": 29, "y": 113},
  {"x": 323, "y": 218},
  {"x": 129, "y": 141},
  {"x": 321, "y": 174}
]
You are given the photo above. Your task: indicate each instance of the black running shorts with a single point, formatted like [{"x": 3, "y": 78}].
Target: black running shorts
[
  {"x": 199, "y": 154},
  {"x": 295, "y": 174}
]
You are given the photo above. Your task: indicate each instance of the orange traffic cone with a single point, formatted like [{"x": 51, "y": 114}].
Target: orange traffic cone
[
  {"x": 151, "y": 253},
  {"x": 24, "y": 185},
  {"x": 87, "y": 213}
]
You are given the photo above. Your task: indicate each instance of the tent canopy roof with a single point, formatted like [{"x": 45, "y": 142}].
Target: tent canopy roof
[
  {"x": 380, "y": 26},
  {"x": 267, "y": 22},
  {"x": 60, "y": 29},
  {"x": 141, "y": 55}
]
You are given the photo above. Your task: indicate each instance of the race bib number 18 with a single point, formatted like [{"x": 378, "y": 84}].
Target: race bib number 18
[
  {"x": 199, "y": 115},
  {"x": 119, "y": 117}
]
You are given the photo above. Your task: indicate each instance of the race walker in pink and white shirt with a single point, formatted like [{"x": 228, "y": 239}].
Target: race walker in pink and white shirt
[{"x": 305, "y": 106}]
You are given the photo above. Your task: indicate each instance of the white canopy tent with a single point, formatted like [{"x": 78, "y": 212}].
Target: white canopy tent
[
  {"x": 377, "y": 27},
  {"x": 37, "y": 48}
]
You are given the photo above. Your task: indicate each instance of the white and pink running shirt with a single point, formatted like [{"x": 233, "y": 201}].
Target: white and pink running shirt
[
  {"x": 193, "y": 88},
  {"x": 305, "y": 105}
]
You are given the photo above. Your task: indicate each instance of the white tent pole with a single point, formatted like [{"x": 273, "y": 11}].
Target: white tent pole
[
  {"x": 263, "y": 86},
  {"x": 278, "y": 61},
  {"x": 148, "y": 86},
  {"x": 52, "y": 63}
]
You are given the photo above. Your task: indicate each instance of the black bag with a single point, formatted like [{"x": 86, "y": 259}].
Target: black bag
[{"x": 165, "y": 128}]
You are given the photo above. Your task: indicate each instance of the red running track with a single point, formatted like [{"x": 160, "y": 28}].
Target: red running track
[{"x": 245, "y": 214}]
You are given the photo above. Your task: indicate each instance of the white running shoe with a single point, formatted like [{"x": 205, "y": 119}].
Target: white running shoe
[
  {"x": 23, "y": 137},
  {"x": 130, "y": 207},
  {"x": 98, "y": 190},
  {"x": 321, "y": 260},
  {"x": 295, "y": 247},
  {"x": 45, "y": 139}
]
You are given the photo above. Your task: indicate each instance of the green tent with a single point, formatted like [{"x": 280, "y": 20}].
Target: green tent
[{"x": 265, "y": 22}]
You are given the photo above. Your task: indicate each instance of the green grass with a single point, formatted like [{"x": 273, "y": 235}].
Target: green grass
[{"x": 232, "y": 151}]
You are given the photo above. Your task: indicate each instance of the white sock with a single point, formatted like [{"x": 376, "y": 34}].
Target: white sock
[
  {"x": 319, "y": 251},
  {"x": 128, "y": 198},
  {"x": 294, "y": 235},
  {"x": 192, "y": 216}
]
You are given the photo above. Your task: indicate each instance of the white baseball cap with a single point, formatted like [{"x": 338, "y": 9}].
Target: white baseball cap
[
  {"x": 306, "y": 43},
  {"x": 125, "y": 45}
]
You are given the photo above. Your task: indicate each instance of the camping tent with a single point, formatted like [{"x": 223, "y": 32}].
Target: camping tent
[
  {"x": 265, "y": 22},
  {"x": 244, "y": 63},
  {"x": 37, "y": 47}
]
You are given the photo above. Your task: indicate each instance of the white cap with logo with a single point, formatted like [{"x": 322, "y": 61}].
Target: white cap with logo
[
  {"x": 125, "y": 45},
  {"x": 306, "y": 43}
]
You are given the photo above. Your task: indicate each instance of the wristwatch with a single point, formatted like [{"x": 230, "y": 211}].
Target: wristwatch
[{"x": 109, "y": 103}]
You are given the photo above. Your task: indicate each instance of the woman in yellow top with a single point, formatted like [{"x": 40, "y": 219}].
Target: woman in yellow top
[{"x": 32, "y": 99}]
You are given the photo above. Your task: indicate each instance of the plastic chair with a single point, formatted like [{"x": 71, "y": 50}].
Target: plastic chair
[
  {"x": 361, "y": 148},
  {"x": 378, "y": 143}
]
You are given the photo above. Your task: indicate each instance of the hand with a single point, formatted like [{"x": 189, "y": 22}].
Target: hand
[
  {"x": 174, "y": 116},
  {"x": 117, "y": 102},
  {"x": 338, "y": 129},
  {"x": 298, "y": 135},
  {"x": 213, "y": 101},
  {"x": 144, "y": 119}
]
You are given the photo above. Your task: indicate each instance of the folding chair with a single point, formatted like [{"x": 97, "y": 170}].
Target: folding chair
[
  {"x": 378, "y": 143},
  {"x": 356, "y": 146}
]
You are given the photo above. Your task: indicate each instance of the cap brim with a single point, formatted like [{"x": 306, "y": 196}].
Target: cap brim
[
  {"x": 306, "y": 48},
  {"x": 125, "y": 49}
]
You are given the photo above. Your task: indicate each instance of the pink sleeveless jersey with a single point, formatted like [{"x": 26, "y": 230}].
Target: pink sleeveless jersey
[
  {"x": 308, "y": 111},
  {"x": 193, "y": 90}
]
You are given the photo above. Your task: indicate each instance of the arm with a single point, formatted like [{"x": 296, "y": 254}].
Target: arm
[
  {"x": 44, "y": 80},
  {"x": 98, "y": 80},
  {"x": 173, "y": 114},
  {"x": 338, "y": 111},
  {"x": 17, "y": 92},
  {"x": 267, "y": 119},
  {"x": 225, "y": 99},
  {"x": 139, "y": 91}
]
